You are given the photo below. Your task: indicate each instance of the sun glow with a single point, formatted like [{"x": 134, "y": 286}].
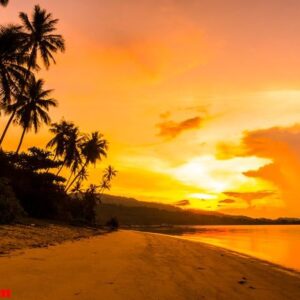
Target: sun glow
[{"x": 216, "y": 175}]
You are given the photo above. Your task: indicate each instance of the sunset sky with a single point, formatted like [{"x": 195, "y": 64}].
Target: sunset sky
[{"x": 199, "y": 99}]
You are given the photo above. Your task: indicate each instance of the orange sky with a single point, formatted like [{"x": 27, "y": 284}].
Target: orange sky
[{"x": 200, "y": 100}]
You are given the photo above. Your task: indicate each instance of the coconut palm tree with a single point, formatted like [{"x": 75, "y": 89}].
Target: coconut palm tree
[
  {"x": 109, "y": 173},
  {"x": 38, "y": 40},
  {"x": 67, "y": 145},
  {"x": 93, "y": 148},
  {"x": 32, "y": 108},
  {"x": 11, "y": 73},
  {"x": 39, "y": 37},
  {"x": 4, "y": 2},
  {"x": 61, "y": 132},
  {"x": 73, "y": 157}
]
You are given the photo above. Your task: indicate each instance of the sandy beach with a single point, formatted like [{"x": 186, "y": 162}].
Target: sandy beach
[{"x": 129, "y": 265}]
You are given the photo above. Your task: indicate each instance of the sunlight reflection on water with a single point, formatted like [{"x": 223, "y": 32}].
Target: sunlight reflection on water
[{"x": 278, "y": 244}]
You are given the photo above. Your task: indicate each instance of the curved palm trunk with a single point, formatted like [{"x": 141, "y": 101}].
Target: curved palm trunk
[
  {"x": 21, "y": 140},
  {"x": 11, "y": 118},
  {"x": 54, "y": 159},
  {"x": 76, "y": 177},
  {"x": 69, "y": 179},
  {"x": 7, "y": 126},
  {"x": 61, "y": 167}
]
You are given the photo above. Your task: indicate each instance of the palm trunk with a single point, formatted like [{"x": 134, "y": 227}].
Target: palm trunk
[
  {"x": 77, "y": 175},
  {"x": 101, "y": 192},
  {"x": 61, "y": 167},
  {"x": 21, "y": 140},
  {"x": 7, "y": 126},
  {"x": 14, "y": 112},
  {"x": 47, "y": 171},
  {"x": 69, "y": 179}
]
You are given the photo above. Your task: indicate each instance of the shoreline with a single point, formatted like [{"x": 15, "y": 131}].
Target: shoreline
[
  {"x": 136, "y": 265},
  {"x": 283, "y": 268}
]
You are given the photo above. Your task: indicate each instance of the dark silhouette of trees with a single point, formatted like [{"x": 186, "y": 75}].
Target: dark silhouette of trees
[
  {"x": 12, "y": 73},
  {"x": 27, "y": 183},
  {"x": 109, "y": 174},
  {"x": 4, "y": 2},
  {"x": 38, "y": 39},
  {"x": 32, "y": 108},
  {"x": 93, "y": 148}
]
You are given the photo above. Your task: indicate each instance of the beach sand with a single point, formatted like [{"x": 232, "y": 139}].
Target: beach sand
[
  {"x": 39, "y": 233},
  {"x": 139, "y": 266}
]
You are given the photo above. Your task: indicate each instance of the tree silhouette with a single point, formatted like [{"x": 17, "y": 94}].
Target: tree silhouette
[
  {"x": 61, "y": 133},
  {"x": 93, "y": 148},
  {"x": 4, "y": 2},
  {"x": 109, "y": 173},
  {"x": 38, "y": 40},
  {"x": 11, "y": 73},
  {"x": 32, "y": 108}
]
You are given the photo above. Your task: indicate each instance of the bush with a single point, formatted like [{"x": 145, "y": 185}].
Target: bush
[
  {"x": 10, "y": 208},
  {"x": 113, "y": 224}
]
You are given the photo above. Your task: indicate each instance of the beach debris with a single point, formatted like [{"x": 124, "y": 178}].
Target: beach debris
[{"x": 243, "y": 280}]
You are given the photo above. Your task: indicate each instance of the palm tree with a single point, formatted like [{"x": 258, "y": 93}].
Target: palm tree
[
  {"x": 61, "y": 132},
  {"x": 109, "y": 173},
  {"x": 93, "y": 148},
  {"x": 4, "y": 2},
  {"x": 73, "y": 157},
  {"x": 11, "y": 73},
  {"x": 72, "y": 153},
  {"x": 38, "y": 39},
  {"x": 32, "y": 109},
  {"x": 66, "y": 142}
]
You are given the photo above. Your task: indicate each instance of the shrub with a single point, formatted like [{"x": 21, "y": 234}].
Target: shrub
[
  {"x": 10, "y": 209},
  {"x": 113, "y": 224}
]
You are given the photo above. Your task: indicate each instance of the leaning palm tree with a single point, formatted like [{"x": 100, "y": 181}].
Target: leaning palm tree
[
  {"x": 11, "y": 73},
  {"x": 32, "y": 108},
  {"x": 4, "y": 2},
  {"x": 61, "y": 132},
  {"x": 72, "y": 154},
  {"x": 38, "y": 39},
  {"x": 73, "y": 157},
  {"x": 93, "y": 148},
  {"x": 109, "y": 173}
]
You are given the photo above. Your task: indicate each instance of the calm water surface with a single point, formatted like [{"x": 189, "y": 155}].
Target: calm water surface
[{"x": 278, "y": 244}]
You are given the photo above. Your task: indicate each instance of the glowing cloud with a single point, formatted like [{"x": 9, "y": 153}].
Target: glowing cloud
[{"x": 171, "y": 129}]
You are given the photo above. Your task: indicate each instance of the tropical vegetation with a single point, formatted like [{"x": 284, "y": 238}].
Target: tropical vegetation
[{"x": 31, "y": 183}]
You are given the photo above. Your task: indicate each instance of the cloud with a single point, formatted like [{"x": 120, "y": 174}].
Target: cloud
[
  {"x": 281, "y": 145},
  {"x": 171, "y": 129},
  {"x": 250, "y": 196},
  {"x": 182, "y": 203},
  {"x": 227, "y": 201}
]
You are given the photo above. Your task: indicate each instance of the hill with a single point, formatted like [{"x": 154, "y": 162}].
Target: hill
[{"x": 130, "y": 211}]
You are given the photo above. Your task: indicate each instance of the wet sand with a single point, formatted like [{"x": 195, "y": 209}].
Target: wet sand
[{"x": 135, "y": 265}]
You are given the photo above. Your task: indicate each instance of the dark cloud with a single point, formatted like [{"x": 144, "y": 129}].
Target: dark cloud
[
  {"x": 249, "y": 196},
  {"x": 172, "y": 129},
  {"x": 182, "y": 203},
  {"x": 227, "y": 201}
]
